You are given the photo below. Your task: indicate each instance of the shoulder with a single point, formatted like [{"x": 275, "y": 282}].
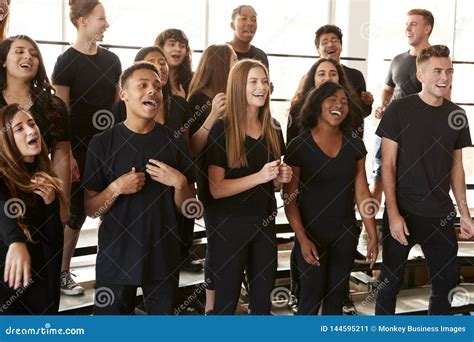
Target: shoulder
[
  {"x": 258, "y": 51},
  {"x": 107, "y": 53},
  {"x": 352, "y": 71},
  {"x": 199, "y": 98}
]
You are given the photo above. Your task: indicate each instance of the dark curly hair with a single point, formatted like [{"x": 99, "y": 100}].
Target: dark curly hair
[
  {"x": 185, "y": 73},
  {"x": 40, "y": 87}
]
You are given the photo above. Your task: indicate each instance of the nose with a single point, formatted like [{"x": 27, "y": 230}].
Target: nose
[{"x": 107, "y": 25}]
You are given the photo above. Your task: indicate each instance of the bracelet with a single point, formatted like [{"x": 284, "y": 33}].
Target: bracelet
[{"x": 207, "y": 129}]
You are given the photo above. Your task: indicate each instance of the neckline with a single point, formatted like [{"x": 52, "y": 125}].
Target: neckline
[{"x": 322, "y": 151}]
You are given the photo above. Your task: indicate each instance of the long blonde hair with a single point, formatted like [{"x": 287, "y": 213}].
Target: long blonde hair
[
  {"x": 15, "y": 174},
  {"x": 236, "y": 115}
]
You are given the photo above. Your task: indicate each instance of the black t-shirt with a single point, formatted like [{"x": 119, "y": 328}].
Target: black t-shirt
[
  {"x": 254, "y": 53},
  {"x": 356, "y": 78},
  {"x": 43, "y": 222},
  {"x": 201, "y": 105},
  {"x": 258, "y": 202},
  {"x": 402, "y": 76},
  {"x": 326, "y": 184},
  {"x": 51, "y": 133},
  {"x": 93, "y": 82},
  {"x": 426, "y": 137},
  {"x": 139, "y": 237},
  {"x": 178, "y": 117}
]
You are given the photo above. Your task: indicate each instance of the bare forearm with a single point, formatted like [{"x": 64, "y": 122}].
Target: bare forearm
[
  {"x": 389, "y": 188},
  {"x": 387, "y": 94},
  {"x": 231, "y": 187},
  {"x": 98, "y": 204},
  {"x": 61, "y": 160},
  {"x": 458, "y": 185}
]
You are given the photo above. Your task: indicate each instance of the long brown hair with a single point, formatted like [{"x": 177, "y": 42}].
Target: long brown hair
[
  {"x": 212, "y": 71},
  {"x": 236, "y": 115},
  {"x": 14, "y": 172}
]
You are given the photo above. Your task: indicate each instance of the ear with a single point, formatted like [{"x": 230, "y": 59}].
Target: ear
[
  {"x": 232, "y": 25},
  {"x": 82, "y": 21},
  {"x": 419, "y": 75},
  {"x": 123, "y": 95}
]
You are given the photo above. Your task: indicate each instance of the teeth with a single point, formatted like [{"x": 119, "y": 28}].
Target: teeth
[{"x": 336, "y": 112}]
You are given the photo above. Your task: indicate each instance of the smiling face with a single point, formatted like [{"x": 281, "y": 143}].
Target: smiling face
[
  {"x": 334, "y": 109},
  {"x": 22, "y": 60},
  {"x": 175, "y": 52},
  {"x": 26, "y": 135},
  {"x": 330, "y": 46},
  {"x": 245, "y": 24},
  {"x": 95, "y": 24},
  {"x": 159, "y": 60},
  {"x": 325, "y": 72},
  {"x": 142, "y": 94},
  {"x": 257, "y": 88},
  {"x": 417, "y": 30},
  {"x": 436, "y": 77}
]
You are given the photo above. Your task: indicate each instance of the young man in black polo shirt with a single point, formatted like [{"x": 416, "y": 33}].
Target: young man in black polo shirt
[
  {"x": 136, "y": 174},
  {"x": 422, "y": 139}
]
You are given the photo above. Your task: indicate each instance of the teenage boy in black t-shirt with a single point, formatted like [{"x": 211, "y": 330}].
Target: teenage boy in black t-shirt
[
  {"x": 136, "y": 174},
  {"x": 244, "y": 25},
  {"x": 422, "y": 140}
]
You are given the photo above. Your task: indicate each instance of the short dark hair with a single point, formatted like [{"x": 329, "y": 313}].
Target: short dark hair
[
  {"x": 432, "y": 51},
  {"x": 312, "y": 106},
  {"x": 427, "y": 16},
  {"x": 327, "y": 29},
  {"x": 236, "y": 11},
  {"x": 127, "y": 73}
]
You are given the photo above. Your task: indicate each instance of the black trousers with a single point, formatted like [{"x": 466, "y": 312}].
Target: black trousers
[
  {"x": 186, "y": 230},
  {"x": 437, "y": 239},
  {"x": 159, "y": 298},
  {"x": 241, "y": 246},
  {"x": 211, "y": 226},
  {"x": 326, "y": 285}
]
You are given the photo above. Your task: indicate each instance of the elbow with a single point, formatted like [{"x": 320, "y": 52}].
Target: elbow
[{"x": 215, "y": 193}]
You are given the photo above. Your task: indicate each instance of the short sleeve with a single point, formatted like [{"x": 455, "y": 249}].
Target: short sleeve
[
  {"x": 359, "y": 148},
  {"x": 216, "y": 145},
  {"x": 185, "y": 160},
  {"x": 389, "y": 126},
  {"x": 65, "y": 129},
  {"x": 64, "y": 71},
  {"x": 464, "y": 138},
  {"x": 94, "y": 178},
  {"x": 293, "y": 151},
  {"x": 389, "y": 79}
]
